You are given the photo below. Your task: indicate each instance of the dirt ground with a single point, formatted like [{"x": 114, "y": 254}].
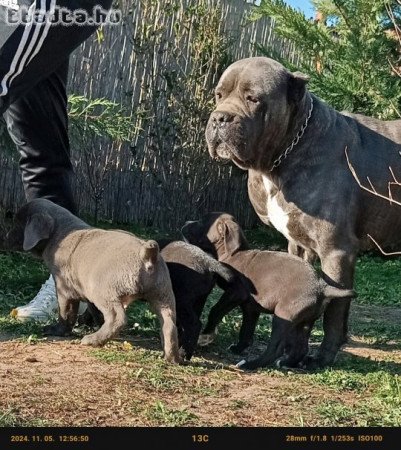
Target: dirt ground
[{"x": 62, "y": 383}]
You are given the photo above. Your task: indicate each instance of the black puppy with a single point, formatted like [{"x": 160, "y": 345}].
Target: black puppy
[{"x": 193, "y": 275}]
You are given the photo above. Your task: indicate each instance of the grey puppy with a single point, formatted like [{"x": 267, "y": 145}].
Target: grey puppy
[
  {"x": 193, "y": 275},
  {"x": 295, "y": 147},
  {"x": 109, "y": 268},
  {"x": 282, "y": 284}
]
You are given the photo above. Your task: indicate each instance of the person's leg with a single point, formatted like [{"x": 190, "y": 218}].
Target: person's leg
[
  {"x": 38, "y": 125},
  {"x": 33, "y": 71},
  {"x": 36, "y": 50}
]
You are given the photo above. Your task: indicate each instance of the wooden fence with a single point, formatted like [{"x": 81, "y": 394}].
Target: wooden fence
[{"x": 161, "y": 63}]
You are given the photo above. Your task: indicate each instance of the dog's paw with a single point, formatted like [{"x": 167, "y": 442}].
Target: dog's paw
[
  {"x": 176, "y": 360},
  {"x": 56, "y": 330},
  {"x": 91, "y": 340},
  {"x": 246, "y": 365},
  {"x": 206, "y": 339},
  {"x": 280, "y": 364},
  {"x": 312, "y": 363},
  {"x": 237, "y": 349},
  {"x": 283, "y": 364},
  {"x": 185, "y": 354},
  {"x": 240, "y": 364}
]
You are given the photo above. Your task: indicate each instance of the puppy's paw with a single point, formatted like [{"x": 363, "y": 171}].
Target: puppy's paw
[
  {"x": 312, "y": 363},
  {"x": 237, "y": 349},
  {"x": 185, "y": 354},
  {"x": 280, "y": 363},
  {"x": 206, "y": 339},
  {"x": 92, "y": 340},
  {"x": 246, "y": 365},
  {"x": 56, "y": 330},
  {"x": 283, "y": 363},
  {"x": 240, "y": 364},
  {"x": 176, "y": 360},
  {"x": 286, "y": 363}
]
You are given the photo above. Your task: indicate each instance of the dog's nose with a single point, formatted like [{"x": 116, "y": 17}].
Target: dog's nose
[{"x": 221, "y": 118}]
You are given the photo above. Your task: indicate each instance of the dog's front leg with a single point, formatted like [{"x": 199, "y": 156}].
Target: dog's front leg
[
  {"x": 297, "y": 346},
  {"x": 338, "y": 267},
  {"x": 250, "y": 317},
  {"x": 189, "y": 327},
  {"x": 226, "y": 303},
  {"x": 281, "y": 329}
]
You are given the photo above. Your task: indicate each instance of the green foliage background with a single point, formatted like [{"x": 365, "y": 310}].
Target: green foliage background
[{"x": 356, "y": 47}]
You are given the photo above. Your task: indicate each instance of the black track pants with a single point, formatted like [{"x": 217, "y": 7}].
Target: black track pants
[{"x": 33, "y": 76}]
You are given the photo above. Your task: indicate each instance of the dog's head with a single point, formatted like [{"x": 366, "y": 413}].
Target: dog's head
[
  {"x": 32, "y": 228},
  {"x": 255, "y": 101},
  {"x": 216, "y": 233}
]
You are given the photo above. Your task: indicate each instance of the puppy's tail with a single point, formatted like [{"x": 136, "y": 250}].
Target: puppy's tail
[
  {"x": 331, "y": 292},
  {"x": 149, "y": 254},
  {"x": 222, "y": 271}
]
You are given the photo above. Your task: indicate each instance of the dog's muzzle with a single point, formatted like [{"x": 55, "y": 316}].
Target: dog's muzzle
[{"x": 217, "y": 134}]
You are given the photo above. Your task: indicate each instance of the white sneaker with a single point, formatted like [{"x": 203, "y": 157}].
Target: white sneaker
[{"x": 43, "y": 306}]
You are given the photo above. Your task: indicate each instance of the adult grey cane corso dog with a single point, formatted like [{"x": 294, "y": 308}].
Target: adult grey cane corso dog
[{"x": 295, "y": 147}]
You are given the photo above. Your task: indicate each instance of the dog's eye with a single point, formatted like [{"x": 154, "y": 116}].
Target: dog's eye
[
  {"x": 252, "y": 99},
  {"x": 219, "y": 95}
]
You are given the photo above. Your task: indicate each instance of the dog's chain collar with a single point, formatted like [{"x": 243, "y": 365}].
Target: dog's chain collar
[{"x": 297, "y": 138}]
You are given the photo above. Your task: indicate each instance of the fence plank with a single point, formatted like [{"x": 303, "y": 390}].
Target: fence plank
[{"x": 153, "y": 183}]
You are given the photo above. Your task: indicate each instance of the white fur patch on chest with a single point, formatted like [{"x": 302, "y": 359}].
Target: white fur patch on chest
[{"x": 277, "y": 216}]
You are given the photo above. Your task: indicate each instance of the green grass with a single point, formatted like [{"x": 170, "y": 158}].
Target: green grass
[
  {"x": 378, "y": 280},
  {"x": 163, "y": 415},
  {"x": 10, "y": 418},
  {"x": 377, "y": 389},
  {"x": 367, "y": 413},
  {"x": 148, "y": 369}
]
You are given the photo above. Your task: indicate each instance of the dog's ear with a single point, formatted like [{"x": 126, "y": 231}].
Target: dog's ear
[
  {"x": 38, "y": 228},
  {"x": 233, "y": 237},
  {"x": 297, "y": 86}
]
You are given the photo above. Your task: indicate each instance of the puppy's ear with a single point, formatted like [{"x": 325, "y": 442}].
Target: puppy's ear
[
  {"x": 38, "y": 228},
  {"x": 297, "y": 86},
  {"x": 233, "y": 237}
]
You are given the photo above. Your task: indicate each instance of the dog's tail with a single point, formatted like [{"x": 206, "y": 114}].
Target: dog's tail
[
  {"x": 149, "y": 254},
  {"x": 332, "y": 292},
  {"x": 222, "y": 271},
  {"x": 231, "y": 280}
]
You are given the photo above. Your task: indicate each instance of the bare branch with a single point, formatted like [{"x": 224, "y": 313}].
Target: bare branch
[
  {"x": 397, "y": 29},
  {"x": 381, "y": 250},
  {"x": 394, "y": 178},
  {"x": 372, "y": 189}
]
